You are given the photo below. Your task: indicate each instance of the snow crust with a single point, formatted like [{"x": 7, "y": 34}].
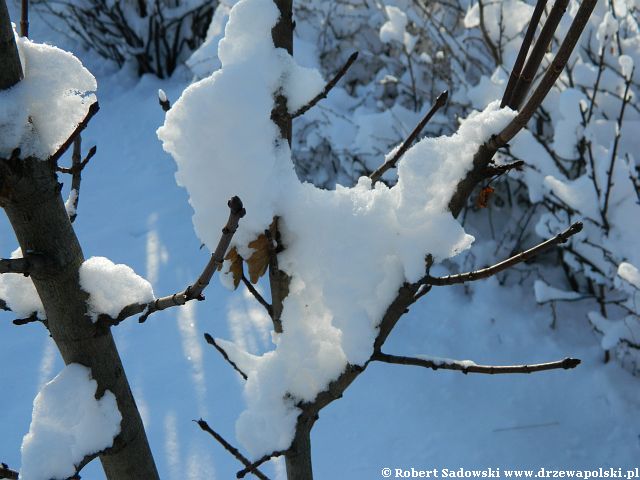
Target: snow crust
[
  {"x": 347, "y": 250},
  {"x": 67, "y": 424},
  {"x": 546, "y": 293},
  {"x": 111, "y": 287},
  {"x": 20, "y": 293},
  {"x": 41, "y": 111}
]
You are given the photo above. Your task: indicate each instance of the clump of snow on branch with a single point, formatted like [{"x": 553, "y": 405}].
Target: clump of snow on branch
[
  {"x": 347, "y": 250},
  {"x": 68, "y": 423},
  {"x": 111, "y": 287},
  {"x": 20, "y": 294},
  {"x": 39, "y": 113}
]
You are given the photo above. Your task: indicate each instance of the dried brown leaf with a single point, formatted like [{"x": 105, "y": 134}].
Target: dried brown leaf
[
  {"x": 485, "y": 196},
  {"x": 259, "y": 259}
]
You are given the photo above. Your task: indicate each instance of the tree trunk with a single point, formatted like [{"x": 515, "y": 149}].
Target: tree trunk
[
  {"x": 30, "y": 196},
  {"x": 298, "y": 461}
]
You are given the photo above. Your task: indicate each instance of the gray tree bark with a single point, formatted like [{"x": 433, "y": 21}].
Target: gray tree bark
[{"x": 30, "y": 196}]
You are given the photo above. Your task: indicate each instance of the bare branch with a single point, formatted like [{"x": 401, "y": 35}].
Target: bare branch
[
  {"x": 24, "y": 18},
  {"x": 332, "y": 83},
  {"x": 470, "y": 367},
  {"x": 492, "y": 270},
  {"x": 540, "y": 48},
  {"x": 391, "y": 162},
  {"x": 211, "y": 341},
  {"x": 252, "y": 468},
  {"x": 6, "y": 472},
  {"x": 15, "y": 265},
  {"x": 257, "y": 295},
  {"x": 31, "y": 263},
  {"x": 230, "y": 448},
  {"x": 33, "y": 318},
  {"x": 93, "y": 109},
  {"x": 524, "y": 50},
  {"x": 194, "y": 291}
]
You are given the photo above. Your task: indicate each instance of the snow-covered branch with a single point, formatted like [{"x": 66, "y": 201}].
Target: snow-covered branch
[
  {"x": 467, "y": 366},
  {"x": 510, "y": 262},
  {"x": 231, "y": 449},
  {"x": 194, "y": 291}
]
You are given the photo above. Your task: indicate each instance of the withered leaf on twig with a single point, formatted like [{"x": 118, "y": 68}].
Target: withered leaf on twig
[
  {"x": 259, "y": 259},
  {"x": 485, "y": 196}
]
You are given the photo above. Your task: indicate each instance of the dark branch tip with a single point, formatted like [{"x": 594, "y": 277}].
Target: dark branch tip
[
  {"x": 569, "y": 363},
  {"x": 442, "y": 98},
  {"x": 235, "y": 204}
]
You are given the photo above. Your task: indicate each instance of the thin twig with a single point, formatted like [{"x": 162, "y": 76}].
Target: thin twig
[
  {"x": 252, "y": 468},
  {"x": 93, "y": 109},
  {"x": 211, "y": 341},
  {"x": 6, "y": 472},
  {"x": 524, "y": 50},
  {"x": 230, "y": 448},
  {"x": 470, "y": 367},
  {"x": 492, "y": 270},
  {"x": 257, "y": 295},
  {"x": 194, "y": 291},
  {"x": 328, "y": 87},
  {"x": 391, "y": 162}
]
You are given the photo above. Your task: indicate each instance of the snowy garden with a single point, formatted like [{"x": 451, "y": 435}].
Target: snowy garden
[{"x": 342, "y": 239}]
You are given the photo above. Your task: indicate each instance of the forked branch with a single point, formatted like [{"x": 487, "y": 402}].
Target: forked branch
[
  {"x": 230, "y": 448},
  {"x": 393, "y": 161},
  {"x": 194, "y": 291},
  {"x": 93, "y": 109},
  {"x": 328, "y": 87},
  {"x": 466, "y": 366},
  {"x": 510, "y": 262}
]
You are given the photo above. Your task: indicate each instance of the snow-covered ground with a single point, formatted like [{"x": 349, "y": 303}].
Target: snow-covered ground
[{"x": 132, "y": 212}]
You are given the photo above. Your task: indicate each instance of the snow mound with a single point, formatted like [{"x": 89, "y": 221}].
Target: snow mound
[
  {"x": 41, "y": 111},
  {"x": 67, "y": 424},
  {"x": 111, "y": 287},
  {"x": 20, "y": 294},
  {"x": 347, "y": 251}
]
